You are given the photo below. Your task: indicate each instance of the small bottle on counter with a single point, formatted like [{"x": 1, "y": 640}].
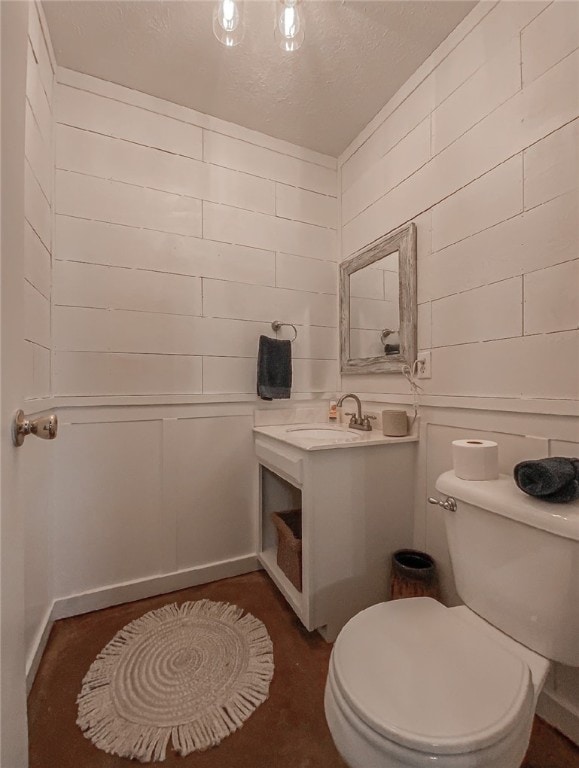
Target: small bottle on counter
[{"x": 333, "y": 411}]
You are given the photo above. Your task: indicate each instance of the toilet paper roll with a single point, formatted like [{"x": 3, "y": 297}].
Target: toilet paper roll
[
  {"x": 394, "y": 423},
  {"x": 475, "y": 459}
]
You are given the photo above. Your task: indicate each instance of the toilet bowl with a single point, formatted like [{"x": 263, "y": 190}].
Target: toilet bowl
[{"x": 414, "y": 684}]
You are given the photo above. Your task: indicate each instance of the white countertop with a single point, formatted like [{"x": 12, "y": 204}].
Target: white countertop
[{"x": 290, "y": 435}]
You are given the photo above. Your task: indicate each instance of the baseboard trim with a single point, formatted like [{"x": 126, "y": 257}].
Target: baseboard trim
[
  {"x": 33, "y": 660},
  {"x": 128, "y": 592},
  {"x": 559, "y": 713}
]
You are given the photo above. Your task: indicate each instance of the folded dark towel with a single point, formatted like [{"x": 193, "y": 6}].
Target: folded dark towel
[
  {"x": 274, "y": 368},
  {"x": 555, "y": 479}
]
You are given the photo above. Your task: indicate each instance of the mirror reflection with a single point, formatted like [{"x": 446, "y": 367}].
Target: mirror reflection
[{"x": 374, "y": 309}]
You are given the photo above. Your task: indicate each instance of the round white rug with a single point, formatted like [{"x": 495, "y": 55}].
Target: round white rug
[{"x": 191, "y": 673}]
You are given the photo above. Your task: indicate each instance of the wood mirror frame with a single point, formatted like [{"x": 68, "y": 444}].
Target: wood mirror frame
[{"x": 402, "y": 240}]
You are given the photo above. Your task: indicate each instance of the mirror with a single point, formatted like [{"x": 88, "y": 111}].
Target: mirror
[{"x": 378, "y": 305}]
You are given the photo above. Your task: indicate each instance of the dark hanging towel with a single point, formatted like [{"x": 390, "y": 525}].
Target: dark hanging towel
[{"x": 274, "y": 369}]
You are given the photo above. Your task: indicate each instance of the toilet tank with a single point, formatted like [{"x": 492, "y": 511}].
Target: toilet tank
[{"x": 516, "y": 562}]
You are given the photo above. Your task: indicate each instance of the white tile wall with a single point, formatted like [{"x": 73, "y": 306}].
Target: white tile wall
[
  {"x": 37, "y": 36},
  {"x": 84, "y": 373},
  {"x": 491, "y": 312},
  {"x": 497, "y": 279},
  {"x": 551, "y": 166},
  {"x": 36, "y": 94},
  {"x": 39, "y": 182},
  {"x": 304, "y": 274},
  {"x": 82, "y": 109},
  {"x": 88, "y": 197},
  {"x": 484, "y": 40},
  {"x": 39, "y": 154},
  {"x": 36, "y": 317},
  {"x": 180, "y": 244},
  {"x": 37, "y": 207},
  {"x": 110, "y": 158},
  {"x": 90, "y": 285},
  {"x": 549, "y": 38},
  {"x": 266, "y": 163},
  {"x": 491, "y": 85},
  {"x": 234, "y": 225},
  {"x": 113, "y": 245},
  {"x": 552, "y": 299},
  {"x": 93, "y": 330},
  {"x": 406, "y": 157},
  {"x": 308, "y": 207},
  {"x": 539, "y": 238},
  {"x": 257, "y": 302},
  {"x": 496, "y": 196},
  {"x": 544, "y": 106},
  {"x": 424, "y": 314},
  {"x": 37, "y": 263}
]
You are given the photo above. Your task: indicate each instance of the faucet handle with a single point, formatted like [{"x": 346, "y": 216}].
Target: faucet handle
[{"x": 367, "y": 416}]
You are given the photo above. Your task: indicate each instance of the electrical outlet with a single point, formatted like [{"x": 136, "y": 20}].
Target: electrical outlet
[{"x": 424, "y": 365}]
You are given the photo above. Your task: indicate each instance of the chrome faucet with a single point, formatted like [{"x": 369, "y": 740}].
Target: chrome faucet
[{"x": 357, "y": 421}]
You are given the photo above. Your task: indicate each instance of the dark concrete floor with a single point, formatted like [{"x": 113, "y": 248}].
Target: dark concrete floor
[{"x": 288, "y": 731}]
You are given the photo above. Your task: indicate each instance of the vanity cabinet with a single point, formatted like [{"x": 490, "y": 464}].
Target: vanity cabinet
[{"x": 357, "y": 508}]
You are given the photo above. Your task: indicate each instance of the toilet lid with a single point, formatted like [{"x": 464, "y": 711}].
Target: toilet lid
[{"x": 427, "y": 679}]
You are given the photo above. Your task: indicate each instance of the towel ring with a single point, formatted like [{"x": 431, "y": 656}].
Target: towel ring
[
  {"x": 384, "y": 335},
  {"x": 277, "y": 325}
]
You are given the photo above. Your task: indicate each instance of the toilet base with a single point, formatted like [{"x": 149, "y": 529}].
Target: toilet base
[{"x": 362, "y": 747}]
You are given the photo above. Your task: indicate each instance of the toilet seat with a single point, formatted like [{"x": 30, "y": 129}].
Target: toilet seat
[{"x": 423, "y": 678}]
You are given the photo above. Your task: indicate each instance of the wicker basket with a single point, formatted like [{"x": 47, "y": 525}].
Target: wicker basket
[
  {"x": 289, "y": 544},
  {"x": 414, "y": 574}
]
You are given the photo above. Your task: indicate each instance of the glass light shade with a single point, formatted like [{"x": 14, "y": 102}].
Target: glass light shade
[
  {"x": 228, "y": 22},
  {"x": 289, "y": 29}
]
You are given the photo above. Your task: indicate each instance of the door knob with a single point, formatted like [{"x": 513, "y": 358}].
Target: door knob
[{"x": 45, "y": 427}]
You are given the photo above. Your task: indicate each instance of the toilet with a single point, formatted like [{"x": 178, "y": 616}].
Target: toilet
[{"x": 413, "y": 683}]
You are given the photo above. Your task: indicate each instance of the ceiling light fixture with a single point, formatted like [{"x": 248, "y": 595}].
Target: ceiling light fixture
[
  {"x": 289, "y": 29},
  {"x": 228, "y": 22}
]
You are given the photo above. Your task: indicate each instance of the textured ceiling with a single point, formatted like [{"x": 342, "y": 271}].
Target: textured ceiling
[{"x": 354, "y": 58}]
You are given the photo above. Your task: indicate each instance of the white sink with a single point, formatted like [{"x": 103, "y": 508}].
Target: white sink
[{"x": 327, "y": 434}]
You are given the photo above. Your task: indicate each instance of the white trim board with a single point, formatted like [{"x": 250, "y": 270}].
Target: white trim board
[
  {"x": 559, "y": 713},
  {"x": 515, "y": 405},
  {"x": 128, "y": 592},
  {"x": 533, "y": 407},
  {"x": 89, "y": 401},
  {"x": 38, "y": 648}
]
